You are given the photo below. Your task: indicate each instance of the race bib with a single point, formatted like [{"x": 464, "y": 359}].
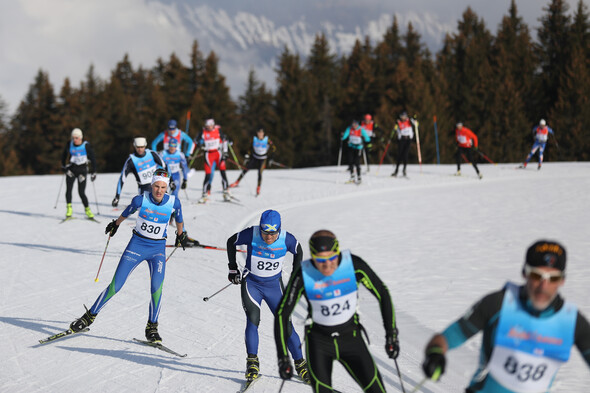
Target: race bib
[
  {"x": 145, "y": 176},
  {"x": 334, "y": 311}
]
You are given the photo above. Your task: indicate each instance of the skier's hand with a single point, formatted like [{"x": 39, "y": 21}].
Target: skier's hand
[
  {"x": 115, "y": 202},
  {"x": 181, "y": 240},
  {"x": 67, "y": 171},
  {"x": 234, "y": 277},
  {"x": 392, "y": 344},
  {"x": 111, "y": 228},
  {"x": 172, "y": 185},
  {"x": 93, "y": 177},
  {"x": 434, "y": 364},
  {"x": 369, "y": 147},
  {"x": 183, "y": 185},
  {"x": 285, "y": 368}
]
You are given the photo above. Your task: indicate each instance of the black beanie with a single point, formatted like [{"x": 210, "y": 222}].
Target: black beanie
[{"x": 546, "y": 253}]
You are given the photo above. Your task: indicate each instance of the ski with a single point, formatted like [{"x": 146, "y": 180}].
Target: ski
[
  {"x": 67, "y": 219},
  {"x": 160, "y": 347},
  {"x": 65, "y": 333},
  {"x": 93, "y": 220},
  {"x": 249, "y": 383}
]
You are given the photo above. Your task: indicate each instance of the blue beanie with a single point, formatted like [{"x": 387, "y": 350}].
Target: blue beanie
[
  {"x": 270, "y": 221},
  {"x": 172, "y": 124}
]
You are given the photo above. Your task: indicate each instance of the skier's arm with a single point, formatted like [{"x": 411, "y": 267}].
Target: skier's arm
[
  {"x": 294, "y": 247},
  {"x": 178, "y": 215},
  {"x": 237, "y": 239},
  {"x": 365, "y": 275},
  {"x": 288, "y": 302},
  {"x": 131, "y": 208},
  {"x": 128, "y": 167},
  {"x": 91, "y": 157},
  {"x": 64, "y": 155},
  {"x": 366, "y": 136},
  {"x": 159, "y": 160},
  {"x": 189, "y": 142},
  {"x": 582, "y": 337},
  {"x": 346, "y": 133},
  {"x": 159, "y": 138},
  {"x": 184, "y": 166}
]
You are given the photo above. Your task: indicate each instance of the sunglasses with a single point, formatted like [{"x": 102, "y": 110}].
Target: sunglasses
[
  {"x": 161, "y": 172},
  {"x": 329, "y": 258},
  {"x": 269, "y": 233},
  {"x": 539, "y": 275}
]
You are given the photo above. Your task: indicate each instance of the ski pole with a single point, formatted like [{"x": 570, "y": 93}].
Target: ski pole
[
  {"x": 339, "y": 159},
  {"x": 186, "y": 194},
  {"x": 103, "y": 254},
  {"x": 206, "y": 298},
  {"x": 281, "y": 388},
  {"x": 208, "y": 247},
  {"x": 486, "y": 157},
  {"x": 383, "y": 155},
  {"x": 417, "y": 387},
  {"x": 235, "y": 163},
  {"x": 418, "y": 144},
  {"x": 436, "y": 139},
  {"x": 59, "y": 192},
  {"x": 175, "y": 248},
  {"x": 400, "y": 376},
  {"x": 365, "y": 158},
  {"x": 95, "y": 198}
]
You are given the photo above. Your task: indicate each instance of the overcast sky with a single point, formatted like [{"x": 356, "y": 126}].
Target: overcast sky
[{"x": 63, "y": 37}]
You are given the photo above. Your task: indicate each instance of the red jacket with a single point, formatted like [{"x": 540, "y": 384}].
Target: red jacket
[{"x": 465, "y": 137}]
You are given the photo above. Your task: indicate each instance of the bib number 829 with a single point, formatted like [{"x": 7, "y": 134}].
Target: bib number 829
[
  {"x": 524, "y": 371},
  {"x": 261, "y": 265}
]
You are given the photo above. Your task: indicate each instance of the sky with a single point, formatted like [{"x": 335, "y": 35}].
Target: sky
[
  {"x": 438, "y": 241},
  {"x": 64, "y": 37}
]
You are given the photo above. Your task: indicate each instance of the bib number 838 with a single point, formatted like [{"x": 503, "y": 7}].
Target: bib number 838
[{"x": 524, "y": 371}]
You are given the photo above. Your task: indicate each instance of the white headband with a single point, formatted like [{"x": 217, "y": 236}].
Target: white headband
[{"x": 161, "y": 178}]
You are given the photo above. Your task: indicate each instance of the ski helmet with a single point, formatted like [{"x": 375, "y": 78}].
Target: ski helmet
[
  {"x": 270, "y": 222},
  {"x": 172, "y": 124},
  {"x": 546, "y": 253},
  {"x": 172, "y": 142},
  {"x": 140, "y": 142},
  {"x": 368, "y": 117},
  {"x": 542, "y": 123},
  {"x": 76, "y": 133},
  {"x": 209, "y": 123}
]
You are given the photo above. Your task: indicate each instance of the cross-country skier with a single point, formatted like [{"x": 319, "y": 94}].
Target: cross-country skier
[
  {"x": 148, "y": 243},
  {"x": 80, "y": 153},
  {"x": 175, "y": 161},
  {"x": 267, "y": 245},
  {"x": 541, "y": 134},
  {"x": 142, "y": 164},
  {"x": 466, "y": 144},
  {"x": 215, "y": 145},
  {"x": 404, "y": 130},
  {"x": 174, "y": 133},
  {"x": 329, "y": 281},
  {"x": 528, "y": 329},
  {"x": 261, "y": 145},
  {"x": 356, "y": 136}
]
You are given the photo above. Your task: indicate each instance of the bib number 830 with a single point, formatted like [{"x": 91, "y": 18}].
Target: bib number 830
[
  {"x": 335, "y": 309},
  {"x": 261, "y": 265},
  {"x": 150, "y": 228},
  {"x": 524, "y": 371}
]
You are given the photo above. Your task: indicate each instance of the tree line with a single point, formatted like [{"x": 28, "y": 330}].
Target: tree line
[{"x": 499, "y": 86}]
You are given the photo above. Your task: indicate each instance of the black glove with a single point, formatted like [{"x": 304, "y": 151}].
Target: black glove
[
  {"x": 224, "y": 156},
  {"x": 285, "y": 368},
  {"x": 67, "y": 171},
  {"x": 183, "y": 185},
  {"x": 234, "y": 277},
  {"x": 115, "y": 202},
  {"x": 434, "y": 364},
  {"x": 111, "y": 228},
  {"x": 392, "y": 344},
  {"x": 181, "y": 240},
  {"x": 173, "y": 185},
  {"x": 93, "y": 177},
  {"x": 369, "y": 146}
]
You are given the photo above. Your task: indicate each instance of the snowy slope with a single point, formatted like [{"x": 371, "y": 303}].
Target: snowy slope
[{"x": 440, "y": 242}]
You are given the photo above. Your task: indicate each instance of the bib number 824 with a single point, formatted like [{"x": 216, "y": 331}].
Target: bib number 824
[
  {"x": 524, "y": 371},
  {"x": 335, "y": 309}
]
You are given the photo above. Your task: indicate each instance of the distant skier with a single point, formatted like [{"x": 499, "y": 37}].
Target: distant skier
[
  {"x": 148, "y": 243},
  {"x": 541, "y": 134},
  {"x": 261, "y": 145},
  {"x": 176, "y": 163},
  {"x": 174, "y": 133},
  {"x": 215, "y": 145},
  {"x": 142, "y": 164},
  {"x": 80, "y": 153},
  {"x": 404, "y": 130},
  {"x": 356, "y": 136},
  {"x": 466, "y": 143},
  {"x": 329, "y": 282},
  {"x": 528, "y": 329},
  {"x": 267, "y": 245}
]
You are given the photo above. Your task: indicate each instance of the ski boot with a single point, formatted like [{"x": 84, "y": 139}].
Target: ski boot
[
  {"x": 83, "y": 322},
  {"x": 226, "y": 196},
  {"x": 88, "y": 212},
  {"x": 524, "y": 165},
  {"x": 252, "y": 367},
  {"x": 302, "y": 371},
  {"x": 69, "y": 210},
  {"x": 257, "y": 190},
  {"x": 458, "y": 173},
  {"x": 151, "y": 332},
  {"x": 234, "y": 184},
  {"x": 539, "y": 167},
  {"x": 404, "y": 173},
  {"x": 394, "y": 174},
  {"x": 204, "y": 197},
  {"x": 480, "y": 175},
  {"x": 358, "y": 181}
]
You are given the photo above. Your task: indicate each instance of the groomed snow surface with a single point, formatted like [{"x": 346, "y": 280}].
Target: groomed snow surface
[{"x": 440, "y": 243}]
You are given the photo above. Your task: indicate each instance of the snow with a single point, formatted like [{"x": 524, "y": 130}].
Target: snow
[{"x": 440, "y": 243}]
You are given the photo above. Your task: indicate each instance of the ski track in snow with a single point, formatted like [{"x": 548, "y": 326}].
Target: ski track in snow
[{"x": 439, "y": 242}]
